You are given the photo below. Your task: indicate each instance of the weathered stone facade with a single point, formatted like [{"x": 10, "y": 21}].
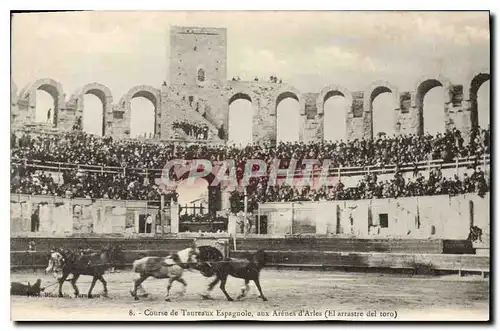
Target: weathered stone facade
[{"x": 198, "y": 90}]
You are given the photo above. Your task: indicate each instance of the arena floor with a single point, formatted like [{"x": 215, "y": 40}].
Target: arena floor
[{"x": 311, "y": 295}]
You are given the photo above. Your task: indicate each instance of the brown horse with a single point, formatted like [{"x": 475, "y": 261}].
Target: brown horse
[
  {"x": 243, "y": 269},
  {"x": 90, "y": 264}
]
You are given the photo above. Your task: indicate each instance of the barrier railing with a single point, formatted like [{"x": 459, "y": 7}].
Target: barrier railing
[
  {"x": 16, "y": 197},
  {"x": 335, "y": 172}
]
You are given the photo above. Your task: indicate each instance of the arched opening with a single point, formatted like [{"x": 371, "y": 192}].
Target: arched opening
[
  {"x": 480, "y": 100},
  {"x": 45, "y": 107},
  {"x": 483, "y": 105},
  {"x": 287, "y": 118},
  {"x": 193, "y": 197},
  {"x": 142, "y": 116},
  {"x": 335, "y": 115},
  {"x": 430, "y": 101},
  {"x": 240, "y": 120},
  {"x": 93, "y": 114},
  {"x": 433, "y": 111},
  {"x": 383, "y": 105}
]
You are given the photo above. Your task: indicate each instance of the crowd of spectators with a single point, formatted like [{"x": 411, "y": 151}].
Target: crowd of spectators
[
  {"x": 195, "y": 130},
  {"x": 79, "y": 184},
  {"x": 272, "y": 79},
  {"x": 367, "y": 188},
  {"x": 84, "y": 149}
]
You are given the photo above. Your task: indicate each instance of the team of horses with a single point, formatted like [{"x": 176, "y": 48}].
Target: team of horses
[{"x": 207, "y": 260}]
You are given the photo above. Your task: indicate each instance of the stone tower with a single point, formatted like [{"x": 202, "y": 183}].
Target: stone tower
[{"x": 198, "y": 56}]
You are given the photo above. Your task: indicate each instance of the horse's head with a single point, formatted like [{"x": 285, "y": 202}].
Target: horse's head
[
  {"x": 260, "y": 258},
  {"x": 56, "y": 261},
  {"x": 209, "y": 254}
]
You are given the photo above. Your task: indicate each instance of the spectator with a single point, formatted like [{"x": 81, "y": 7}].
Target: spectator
[{"x": 84, "y": 149}]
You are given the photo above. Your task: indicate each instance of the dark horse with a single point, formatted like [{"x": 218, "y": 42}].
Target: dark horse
[
  {"x": 243, "y": 269},
  {"x": 92, "y": 264}
]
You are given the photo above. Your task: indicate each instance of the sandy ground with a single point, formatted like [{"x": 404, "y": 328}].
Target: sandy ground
[{"x": 293, "y": 295}]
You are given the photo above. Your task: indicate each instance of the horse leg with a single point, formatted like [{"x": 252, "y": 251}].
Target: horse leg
[
  {"x": 137, "y": 284},
  {"x": 169, "y": 286},
  {"x": 105, "y": 285},
  {"x": 244, "y": 290},
  {"x": 94, "y": 280},
  {"x": 184, "y": 285},
  {"x": 73, "y": 283},
  {"x": 206, "y": 294},
  {"x": 223, "y": 287},
  {"x": 257, "y": 283},
  {"x": 142, "y": 290},
  {"x": 61, "y": 282}
]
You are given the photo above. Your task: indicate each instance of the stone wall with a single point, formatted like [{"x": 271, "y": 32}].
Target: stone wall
[
  {"x": 61, "y": 216},
  {"x": 439, "y": 217},
  {"x": 207, "y": 100}
]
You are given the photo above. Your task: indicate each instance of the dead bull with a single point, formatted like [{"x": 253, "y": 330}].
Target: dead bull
[{"x": 27, "y": 290}]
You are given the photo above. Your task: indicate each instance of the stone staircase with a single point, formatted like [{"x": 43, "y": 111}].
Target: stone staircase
[
  {"x": 36, "y": 128},
  {"x": 183, "y": 110}
]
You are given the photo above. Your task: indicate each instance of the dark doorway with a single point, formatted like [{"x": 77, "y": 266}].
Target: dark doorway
[
  {"x": 263, "y": 225},
  {"x": 142, "y": 223},
  {"x": 384, "y": 220},
  {"x": 214, "y": 199},
  {"x": 35, "y": 219},
  {"x": 144, "y": 226}
]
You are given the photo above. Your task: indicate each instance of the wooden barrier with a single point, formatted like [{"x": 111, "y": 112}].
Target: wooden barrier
[
  {"x": 362, "y": 260},
  {"x": 21, "y": 258},
  {"x": 422, "y": 246},
  {"x": 145, "y": 243},
  {"x": 307, "y": 259}
]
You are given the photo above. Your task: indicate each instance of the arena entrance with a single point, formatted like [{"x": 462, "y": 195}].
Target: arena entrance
[{"x": 198, "y": 204}]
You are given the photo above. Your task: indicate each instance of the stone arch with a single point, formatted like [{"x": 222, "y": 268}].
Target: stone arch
[
  {"x": 287, "y": 92},
  {"x": 474, "y": 82},
  {"x": 331, "y": 91},
  {"x": 376, "y": 89},
  {"x": 326, "y": 93},
  {"x": 240, "y": 95},
  {"x": 99, "y": 90},
  {"x": 145, "y": 91},
  {"x": 372, "y": 92},
  {"x": 424, "y": 85},
  {"x": 49, "y": 85},
  {"x": 103, "y": 93}
]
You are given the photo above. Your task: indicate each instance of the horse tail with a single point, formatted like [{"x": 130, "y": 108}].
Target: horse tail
[{"x": 136, "y": 265}]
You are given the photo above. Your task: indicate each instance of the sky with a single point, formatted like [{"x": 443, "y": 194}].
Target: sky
[{"x": 308, "y": 50}]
